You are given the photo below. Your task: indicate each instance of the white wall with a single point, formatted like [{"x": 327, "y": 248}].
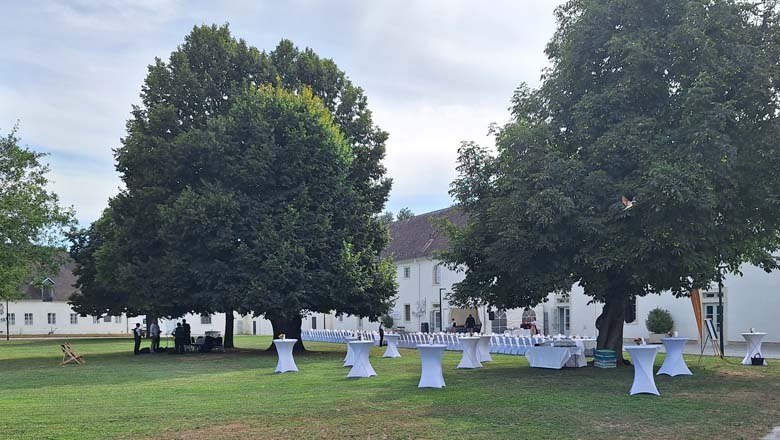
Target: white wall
[{"x": 62, "y": 311}]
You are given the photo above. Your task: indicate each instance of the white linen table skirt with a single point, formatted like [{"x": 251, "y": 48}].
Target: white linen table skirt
[
  {"x": 349, "y": 359},
  {"x": 548, "y": 357},
  {"x": 674, "y": 364},
  {"x": 469, "y": 358},
  {"x": 643, "y": 358},
  {"x": 284, "y": 349},
  {"x": 392, "y": 346},
  {"x": 362, "y": 366},
  {"x": 483, "y": 348},
  {"x": 753, "y": 346},
  {"x": 430, "y": 359}
]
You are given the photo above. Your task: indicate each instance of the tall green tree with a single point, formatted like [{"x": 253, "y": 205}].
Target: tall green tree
[
  {"x": 404, "y": 214},
  {"x": 167, "y": 151},
  {"x": 647, "y": 158},
  {"x": 32, "y": 223}
]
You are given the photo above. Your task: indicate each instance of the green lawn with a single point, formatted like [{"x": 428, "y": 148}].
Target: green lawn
[{"x": 237, "y": 395}]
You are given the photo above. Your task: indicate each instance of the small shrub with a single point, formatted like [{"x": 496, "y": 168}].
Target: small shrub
[
  {"x": 387, "y": 321},
  {"x": 659, "y": 321}
]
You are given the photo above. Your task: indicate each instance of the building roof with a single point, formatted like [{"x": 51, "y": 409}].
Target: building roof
[
  {"x": 64, "y": 284},
  {"x": 418, "y": 237}
]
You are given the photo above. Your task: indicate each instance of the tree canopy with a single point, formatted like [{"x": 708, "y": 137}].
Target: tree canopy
[
  {"x": 647, "y": 158},
  {"x": 179, "y": 162},
  {"x": 32, "y": 222}
]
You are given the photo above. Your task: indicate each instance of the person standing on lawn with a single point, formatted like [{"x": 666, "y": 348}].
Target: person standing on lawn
[
  {"x": 178, "y": 338},
  {"x": 154, "y": 335},
  {"x": 470, "y": 324},
  {"x": 137, "y": 334},
  {"x": 187, "y": 334},
  {"x": 381, "y": 335}
]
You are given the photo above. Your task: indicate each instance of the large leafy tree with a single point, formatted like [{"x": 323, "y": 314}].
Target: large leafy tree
[
  {"x": 647, "y": 158},
  {"x": 167, "y": 153},
  {"x": 31, "y": 220}
]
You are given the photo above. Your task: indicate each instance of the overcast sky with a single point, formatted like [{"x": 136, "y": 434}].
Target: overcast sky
[{"x": 435, "y": 73}]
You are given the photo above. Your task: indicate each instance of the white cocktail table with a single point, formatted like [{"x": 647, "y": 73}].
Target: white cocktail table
[
  {"x": 362, "y": 366},
  {"x": 392, "y": 346},
  {"x": 753, "y": 346},
  {"x": 349, "y": 359},
  {"x": 284, "y": 348},
  {"x": 643, "y": 358},
  {"x": 469, "y": 358},
  {"x": 430, "y": 358},
  {"x": 674, "y": 364},
  {"x": 483, "y": 348}
]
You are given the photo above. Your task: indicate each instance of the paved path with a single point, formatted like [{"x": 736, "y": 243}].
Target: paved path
[{"x": 770, "y": 350}]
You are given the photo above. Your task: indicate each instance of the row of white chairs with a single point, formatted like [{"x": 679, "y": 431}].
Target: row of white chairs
[
  {"x": 499, "y": 343},
  {"x": 338, "y": 336}
]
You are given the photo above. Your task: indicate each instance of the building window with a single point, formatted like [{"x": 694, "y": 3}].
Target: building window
[
  {"x": 499, "y": 322},
  {"x": 118, "y": 319},
  {"x": 341, "y": 318},
  {"x": 407, "y": 312},
  {"x": 205, "y": 319},
  {"x": 51, "y": 318},
  {"x": 47, "y": 290},
  {"x": 12, "y": 319},
  {"x": 107, "y": 318},
  {"x": 28, "y": 319},
  {"x": 437, "y": 274},
  {"x": 95, "y": 319},
  {"x": 407, "y": 272},
  {"x": 74, "y": 318}
]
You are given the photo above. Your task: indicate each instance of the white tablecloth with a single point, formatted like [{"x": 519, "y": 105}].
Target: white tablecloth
[
  {"x": 349, "y": 359},
  {"x": 753, "y": 346},
  {"x": 430, "y": 358},
  {"x": 392, "y": 346},
  {"x": 483, "y": 348},
  {"x": 674, "y": 364},
  {"x": 643, "y": 358},
  {"x": 469, "y": 358},
  {"x": 284, "y": 349},
  {"x": 362, "y": 366},
  {"x": 555, "y": 357}
]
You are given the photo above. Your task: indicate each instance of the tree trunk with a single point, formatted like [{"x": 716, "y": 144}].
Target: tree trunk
[
  {"x": 610, "y": 326},
  {"x": 291, "y": 329},
  {"x": 227, "y": 341}
]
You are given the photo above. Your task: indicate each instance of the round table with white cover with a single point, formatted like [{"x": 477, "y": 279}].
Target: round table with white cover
[
  {"x": 362, "y": 366},
  {"x": 643, "y": 358},
  {"x": 469, "y": 358},
  {"x": 430, "y": 358},
  {"x": 753, "y": 346},
  {"x": 674, "y": 364},
  {"x": 392, "y": 346},
  {"x": 483, "y": 348},
  {"x": 349, "y": 359},
  {"x": 284, "y": 349}
]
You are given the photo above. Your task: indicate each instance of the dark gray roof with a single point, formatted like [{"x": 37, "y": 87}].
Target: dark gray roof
[
  {"x": 418, "y": 237},
  {"x": 64, "y": 284}
]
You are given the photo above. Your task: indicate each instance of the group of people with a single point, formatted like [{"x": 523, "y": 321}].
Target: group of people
[
  {"x": 181, "y": 336},
  {"x": 470, "y": 324}
]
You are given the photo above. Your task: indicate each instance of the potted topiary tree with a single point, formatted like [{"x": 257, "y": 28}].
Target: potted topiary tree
[
  {"x": 387, "y": 321},
  {"x": 659, "y": 322}
]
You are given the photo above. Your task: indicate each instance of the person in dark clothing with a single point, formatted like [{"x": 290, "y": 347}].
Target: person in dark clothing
[
  {"x": 187, "y": 334},
  {"x": 137, "y": 334},
  {"x": 178, "y": 338},
  {"x": 381, "y": 335},
  {"x": 470, "y": 324}
]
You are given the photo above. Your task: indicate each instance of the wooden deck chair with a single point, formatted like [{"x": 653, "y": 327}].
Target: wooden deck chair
[{"x": 70, "y": 355}]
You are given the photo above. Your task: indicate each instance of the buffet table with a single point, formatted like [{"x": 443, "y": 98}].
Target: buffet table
[{"x": 556, "y": 357}]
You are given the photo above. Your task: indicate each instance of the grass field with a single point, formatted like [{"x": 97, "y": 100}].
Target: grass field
[{"x": 237, "y": 395}]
